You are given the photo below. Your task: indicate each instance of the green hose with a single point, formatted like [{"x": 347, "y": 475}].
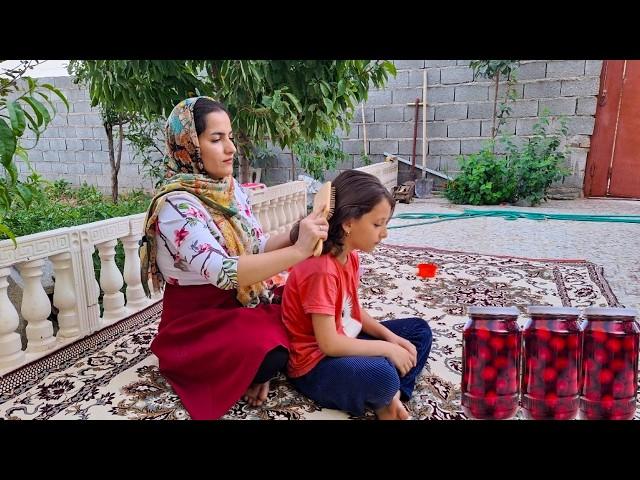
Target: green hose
[{"x": 510, "y": 215}]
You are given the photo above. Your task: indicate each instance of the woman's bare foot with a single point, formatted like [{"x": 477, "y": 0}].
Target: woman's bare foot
[
  {"x": 256, "y": 394},
  {"x": 394, "y": 411}
]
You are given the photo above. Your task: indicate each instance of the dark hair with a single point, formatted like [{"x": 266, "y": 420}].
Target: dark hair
[
  {"x": 202, "y": 108},
  {"x": 356, "y": 194}
]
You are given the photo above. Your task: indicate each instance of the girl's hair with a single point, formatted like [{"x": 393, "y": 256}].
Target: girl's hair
[
  {"x": 202, "y": 108},
  {"x": 356, "y": 194}
]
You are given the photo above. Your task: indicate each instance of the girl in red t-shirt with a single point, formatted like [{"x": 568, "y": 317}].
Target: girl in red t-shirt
[{"x": 339, "y": 355}]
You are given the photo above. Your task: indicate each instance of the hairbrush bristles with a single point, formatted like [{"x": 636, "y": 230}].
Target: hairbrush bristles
[{"x": 324, "y": 202}]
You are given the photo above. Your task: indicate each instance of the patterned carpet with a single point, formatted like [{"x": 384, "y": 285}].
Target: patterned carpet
[{"x": 112, "y": 374}]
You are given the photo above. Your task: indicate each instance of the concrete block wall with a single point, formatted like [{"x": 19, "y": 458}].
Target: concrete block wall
[
  {"x": 459, "y": 112},
  {"x": 74, "y": 146},
  {"x": 459, "y": 117}
]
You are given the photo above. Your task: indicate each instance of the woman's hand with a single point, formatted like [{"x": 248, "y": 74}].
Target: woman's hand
[{"x": 312, "y": 228}]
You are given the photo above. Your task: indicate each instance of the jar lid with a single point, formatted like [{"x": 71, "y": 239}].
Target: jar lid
[
  {"x": 549, "y": 310},
  {"x": 503, "y": 311},
  {"x": 610, "y": 312}
]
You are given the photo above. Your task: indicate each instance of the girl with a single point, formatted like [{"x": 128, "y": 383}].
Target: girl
[{"x": 339, "y": 355}]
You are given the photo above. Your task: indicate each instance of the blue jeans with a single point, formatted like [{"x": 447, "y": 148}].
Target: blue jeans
[{"x": 353, "y": 383}]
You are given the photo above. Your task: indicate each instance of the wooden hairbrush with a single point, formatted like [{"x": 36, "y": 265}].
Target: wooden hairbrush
[{"x": 324, "y": 202}]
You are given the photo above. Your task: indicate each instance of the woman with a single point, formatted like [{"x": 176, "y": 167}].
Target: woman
[{"x": 219, "y": 335}]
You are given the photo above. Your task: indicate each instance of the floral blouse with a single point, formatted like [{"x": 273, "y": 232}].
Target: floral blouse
[{"x": 191, "y": 249}]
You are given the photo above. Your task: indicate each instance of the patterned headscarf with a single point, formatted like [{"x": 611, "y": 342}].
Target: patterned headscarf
[{"x": 185, "y": 172}]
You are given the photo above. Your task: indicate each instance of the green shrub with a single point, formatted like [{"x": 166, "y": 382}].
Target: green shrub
[
  {"x": 60, "y": 206},
  {"x": 539, "y": 162},
  {"x": 525, "y": 173},
  {"x": 484, "y": 179}
]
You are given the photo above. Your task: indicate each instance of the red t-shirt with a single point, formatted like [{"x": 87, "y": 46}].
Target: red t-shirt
[{"x": 319, "y": 285}]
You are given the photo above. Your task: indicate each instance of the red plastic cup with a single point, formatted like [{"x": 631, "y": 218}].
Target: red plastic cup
[{"x": 427, "y": 270}]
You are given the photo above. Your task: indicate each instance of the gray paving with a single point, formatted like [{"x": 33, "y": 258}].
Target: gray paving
[{"x": 614, "y": 246}]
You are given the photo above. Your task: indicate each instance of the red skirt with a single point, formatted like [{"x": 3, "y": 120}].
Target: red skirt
[{"x": 210, "y": 347}]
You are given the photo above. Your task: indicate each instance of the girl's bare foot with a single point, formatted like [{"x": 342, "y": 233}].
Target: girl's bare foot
[
  {"x": 256, "y": 394},
  {"x": 394, "y": 411}
]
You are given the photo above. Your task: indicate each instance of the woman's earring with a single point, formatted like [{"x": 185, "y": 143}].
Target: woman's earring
[{"x": 348, "y": 233}]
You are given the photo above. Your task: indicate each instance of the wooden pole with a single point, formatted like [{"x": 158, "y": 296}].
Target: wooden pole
[
  {"x": 424, "y": 123},
  {"x": 364, "y": 131}
]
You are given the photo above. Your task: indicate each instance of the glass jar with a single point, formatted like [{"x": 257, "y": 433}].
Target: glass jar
[
  {"x": 610, "y": 364},
  {"x": 490, "y": 362},
  {"x": 551, "y": 343}
]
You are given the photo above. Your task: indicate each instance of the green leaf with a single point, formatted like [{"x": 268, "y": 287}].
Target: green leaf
[
  {"x": 24, "y": 193},
  {"x": 58, "y": 93},
  {"x": 295, "y": 101},
  {"x": 21, "y": 152},
  {"x": 18, "y": 120},
  {"x": 328, "y": 104},
  {"x": 7, "y": 231},
  {"x": 390, "y": 67},
  {"x": 7, "y": 143},
  {"x": 33, "y": 124},
  {"x": 46, "y": 99},
  {"x": 13, "y": 171},
  {"x": 43, "y": 111},
  {"x": 33, "y": 104}
]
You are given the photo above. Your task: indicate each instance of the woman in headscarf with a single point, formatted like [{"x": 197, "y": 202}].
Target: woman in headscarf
[{"x": 220, "y": 336}]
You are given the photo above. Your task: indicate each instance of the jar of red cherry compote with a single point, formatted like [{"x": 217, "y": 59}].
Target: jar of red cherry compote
[
  {"x": 490, "y": 362},
  {"x": 610, "y": 364},
  {"x": 551, "y": 343}
]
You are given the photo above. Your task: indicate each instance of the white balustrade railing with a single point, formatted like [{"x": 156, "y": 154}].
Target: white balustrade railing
[
  {"x": 76, "y": 290},
  {"x": 387, "y": 172},
  {"x": 280, "y": 206}
]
